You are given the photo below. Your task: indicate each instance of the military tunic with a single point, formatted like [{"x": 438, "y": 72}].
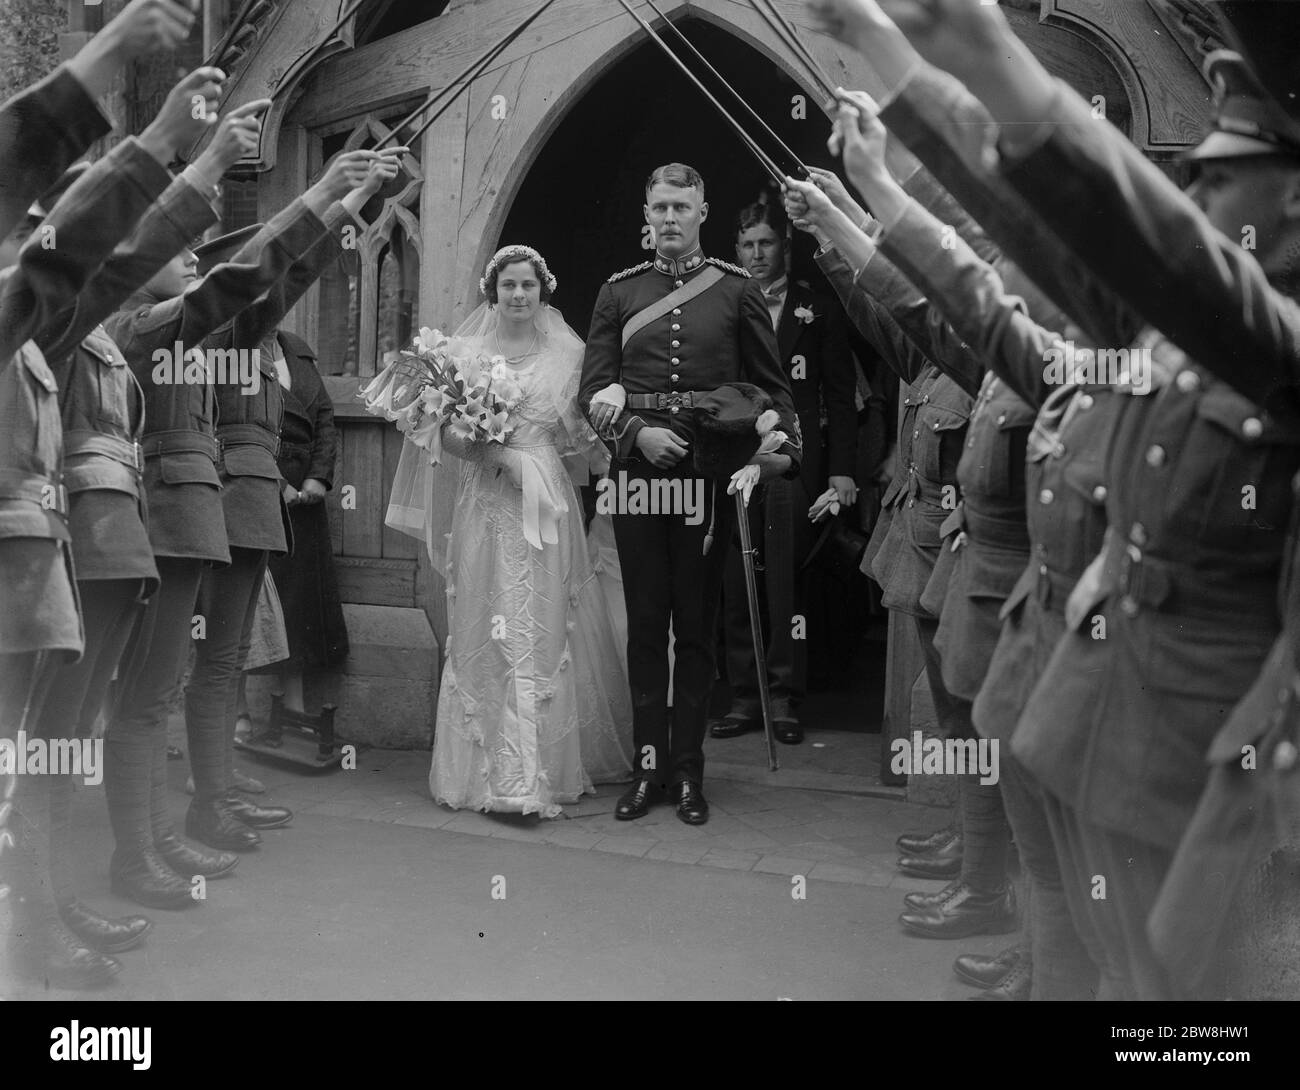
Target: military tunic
[{"x": 722, "y": 335}]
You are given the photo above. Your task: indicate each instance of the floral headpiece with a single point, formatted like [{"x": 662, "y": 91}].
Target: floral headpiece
[{"x": 506, "y": 255}]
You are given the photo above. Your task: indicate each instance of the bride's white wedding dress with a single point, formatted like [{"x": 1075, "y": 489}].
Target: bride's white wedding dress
[{"x": 534, "y": 707}]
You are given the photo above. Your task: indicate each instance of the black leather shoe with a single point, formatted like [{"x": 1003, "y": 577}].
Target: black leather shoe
[
  {"x": 735, "y": 724},
  {"x": 635, "y": 801},
  {"x": 788, "y": 731},
  {"x": 982, "y": 971},
  {"x": 211, "y": 824},
  {"x": 963, "y": 914},
  {"x": 189, "y": 861},
  {"x": 144, "y": 878},
  {"x": 692, "y": 806},
  {"x": 108, "y": 936},
  {"x": 929, "y": 900},
  {"x": 925, "y": 843},
  {"x": 258, "y": 817},
  {"x": 943, "y": 862},
  {"x": 59, "y": 958},
  {"x": 1012, "y": 988}
]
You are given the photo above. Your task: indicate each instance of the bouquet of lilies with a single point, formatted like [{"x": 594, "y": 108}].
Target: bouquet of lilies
[{"x": 440, "y": 381}]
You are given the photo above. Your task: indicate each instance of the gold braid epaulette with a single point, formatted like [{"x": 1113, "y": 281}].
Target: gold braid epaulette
[
  {"x": 629, "y": 272},
  {"x": 728, "y": 267}
]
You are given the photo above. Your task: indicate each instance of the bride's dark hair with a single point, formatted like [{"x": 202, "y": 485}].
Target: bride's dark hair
[{"x": 509, "y": 255}]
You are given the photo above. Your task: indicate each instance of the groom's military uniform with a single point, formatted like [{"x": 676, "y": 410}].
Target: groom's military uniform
[{"x": 670, "y": 330}]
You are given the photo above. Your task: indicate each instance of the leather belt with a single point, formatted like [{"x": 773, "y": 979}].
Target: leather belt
[
  {"x": 180, "y": 441},
  {"x": 678, "y": 399},
  {"x": 247, "y": 435},
  {"x": 1003, "y": 532},
  {"x": 1142, "y": 580},
  {"x": 32, "y": 487},
  {"x": 126, "y": 451}
]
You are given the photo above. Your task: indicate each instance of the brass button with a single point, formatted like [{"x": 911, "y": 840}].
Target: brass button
[
  {"x": 1252, "y": 428},
  {"x": 678, "y": 283},
  {"x": 1156, "y": 456},
  {"x": 676, "y": 344},
  {"x": 1002, "y": 419},
  {"x": 676, "y": 327},
  {"x": 1138, "y": 534},
  {"x": 1187, "y": 380},
  {"x": 1046, "y": 496},
  {"x": 1129, "y": 605},
  {"x": 916, "y": 435},
  {"x": 674, "y": 378},
  {"x": 1085, "y": 401},
  {"x": 925, "y": 399},
  {"x": 677, "y": 310},
  {"x": 674, "y": 361},
  {"x": 672, "y": 408},
  {"x": 1099, "y": 493},
  {"x": 1058, "y": 451}
]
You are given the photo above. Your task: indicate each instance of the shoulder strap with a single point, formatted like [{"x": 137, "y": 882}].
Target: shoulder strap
[{"x": 696, "y": 286}]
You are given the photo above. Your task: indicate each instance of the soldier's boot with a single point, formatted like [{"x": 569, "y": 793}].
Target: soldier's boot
[
  {"x": 137, "y": 871},
  {"x": 209, "y": 819},
  {"x": 108, "y": 935},
  {"x": 42, "y": 947},
  {"x": 185, "y": 859}
]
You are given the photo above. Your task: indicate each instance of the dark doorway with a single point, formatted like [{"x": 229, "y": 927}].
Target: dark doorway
[
  {"x": 581, "y": 201},
  {"x": 581, "y": 205}
]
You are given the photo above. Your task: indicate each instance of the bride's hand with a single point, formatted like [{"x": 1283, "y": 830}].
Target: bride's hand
[{"x": 603, "y": 415}]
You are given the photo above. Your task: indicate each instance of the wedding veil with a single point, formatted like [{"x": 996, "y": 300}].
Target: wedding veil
[{"x": 425, "y": 496}]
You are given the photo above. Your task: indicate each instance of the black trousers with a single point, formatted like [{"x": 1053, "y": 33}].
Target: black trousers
[
  {"x": 667, "y": 579},
  {"x": 783, "y": 535},
  {"x": 1111, "y": 884},
  {"x": 228, "y": 606}
]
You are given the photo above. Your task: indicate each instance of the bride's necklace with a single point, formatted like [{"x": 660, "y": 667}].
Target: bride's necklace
[{"x": 514, "y": 359}]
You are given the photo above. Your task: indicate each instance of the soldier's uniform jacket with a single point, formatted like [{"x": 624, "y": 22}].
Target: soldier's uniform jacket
[
  {"x": 102, "y": 404},
  {"x": 181, "y": 451},
  {"x": 248, "y": 425},
  {"x": 1199, "y": 494},
  {"x": 42, "y": 130},
  {"x": 904, "y": 546},
  {"x": 93, "y": 215},
  {"x": 722, "y": 335}
]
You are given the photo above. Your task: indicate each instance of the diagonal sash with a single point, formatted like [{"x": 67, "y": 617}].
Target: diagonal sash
[{"x": 697, "y": 285}]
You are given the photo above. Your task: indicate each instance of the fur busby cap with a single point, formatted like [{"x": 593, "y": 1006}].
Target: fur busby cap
[
  {"x": 726, "y": 428},
  {"x": 224, "y": 247},
  {"x": 40, "y": 208}
]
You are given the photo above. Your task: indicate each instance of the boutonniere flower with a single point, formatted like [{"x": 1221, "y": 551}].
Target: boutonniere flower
[{"x": 804, "y": 314}]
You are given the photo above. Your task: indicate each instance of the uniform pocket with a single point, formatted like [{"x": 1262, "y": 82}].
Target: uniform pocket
[
  {"x": 188, "y": 468},
  {"x": 943, "y": 435},
  {"x": 250, "y": 462}
]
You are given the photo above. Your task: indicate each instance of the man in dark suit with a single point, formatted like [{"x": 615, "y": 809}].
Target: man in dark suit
[
  {"x": 668, "y": 331},
  {"x": 812, "y": 344}
]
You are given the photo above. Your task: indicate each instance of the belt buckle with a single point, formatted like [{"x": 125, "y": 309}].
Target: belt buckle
[
  {"x": 672, "y": 400},
  {"x": 1129, "y": 581},
  {"x": 137, "y": 448}
]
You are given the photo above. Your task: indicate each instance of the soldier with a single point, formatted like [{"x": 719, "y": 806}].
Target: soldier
[
  {"x": 812, "y": 341},
  {"x": 1197, "y": 475},
  {"x": 669, "y": 330}
]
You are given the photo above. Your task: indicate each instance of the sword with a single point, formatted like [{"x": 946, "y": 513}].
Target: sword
[{"x": 756, "y": 627}]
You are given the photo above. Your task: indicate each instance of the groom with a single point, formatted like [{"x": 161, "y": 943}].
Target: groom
[{"x": 669, "y": 331}]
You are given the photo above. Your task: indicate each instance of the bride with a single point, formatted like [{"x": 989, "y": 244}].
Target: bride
[{"x": 534, "y": 707}]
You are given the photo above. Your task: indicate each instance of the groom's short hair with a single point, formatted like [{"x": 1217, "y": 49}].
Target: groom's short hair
[{"x": 678, "y": 174}]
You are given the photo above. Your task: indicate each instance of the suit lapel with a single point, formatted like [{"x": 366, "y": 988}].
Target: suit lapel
[{"x": 787, "y": 329}]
